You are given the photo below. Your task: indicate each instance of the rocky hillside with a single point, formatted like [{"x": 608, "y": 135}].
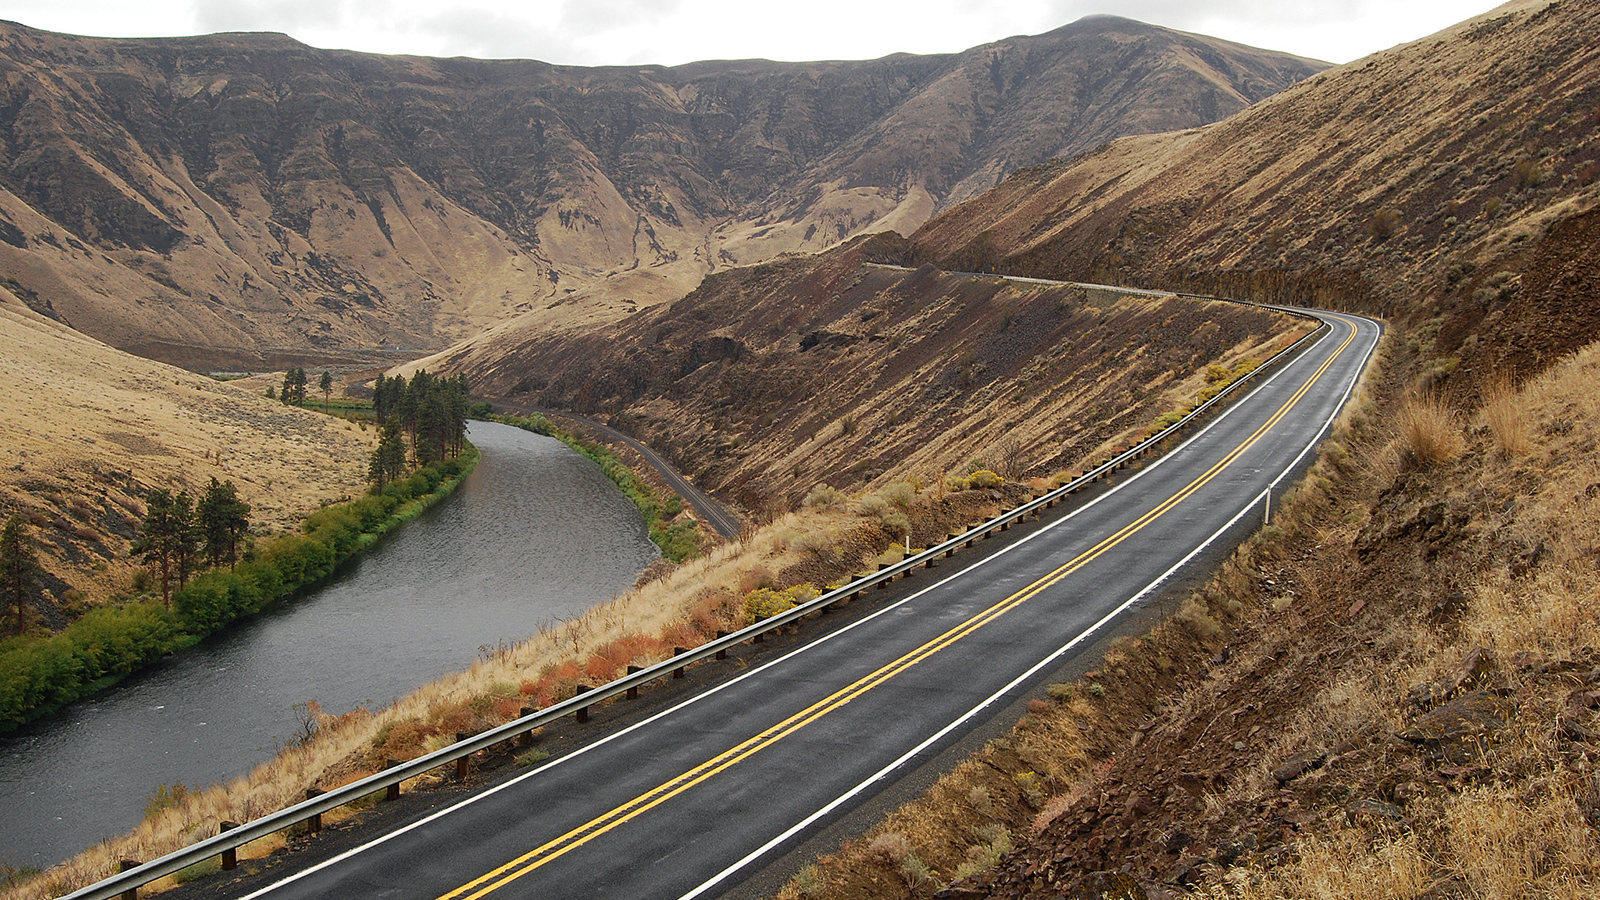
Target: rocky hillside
[
  {"x": 1451, "y": 182},
  {"x": 248, "y": 201},
  {"x": 89, "y": 430},
  {"x": 768, "y": 380}
]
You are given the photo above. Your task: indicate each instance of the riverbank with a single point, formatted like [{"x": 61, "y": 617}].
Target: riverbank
[{"x": 41, "y": 674}]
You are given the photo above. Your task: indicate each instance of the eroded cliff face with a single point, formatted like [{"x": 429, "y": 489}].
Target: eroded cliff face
[{"x": 245, "y": 200}]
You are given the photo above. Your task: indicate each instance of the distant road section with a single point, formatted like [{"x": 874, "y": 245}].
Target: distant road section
[{"x": 709, "y": 510}]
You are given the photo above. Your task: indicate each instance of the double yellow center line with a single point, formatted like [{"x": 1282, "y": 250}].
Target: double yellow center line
[{"x": 577, "y": 837}]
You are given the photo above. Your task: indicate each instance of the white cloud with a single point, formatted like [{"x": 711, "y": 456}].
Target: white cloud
[{"x": 620, "y": 32}]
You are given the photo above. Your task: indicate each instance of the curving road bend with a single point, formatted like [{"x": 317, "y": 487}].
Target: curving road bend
[{"x": 689, "y": 801}]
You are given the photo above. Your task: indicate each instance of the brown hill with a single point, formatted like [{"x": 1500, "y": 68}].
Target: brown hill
[
  {"x": 246, "y": 201},
  {"x": 1452, "y": 179},
  {"x": 89, "y": 430},
  {"x": 768, "y": 380}
]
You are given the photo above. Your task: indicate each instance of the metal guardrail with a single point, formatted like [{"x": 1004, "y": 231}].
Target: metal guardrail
[{"x": 126, "y": 882}]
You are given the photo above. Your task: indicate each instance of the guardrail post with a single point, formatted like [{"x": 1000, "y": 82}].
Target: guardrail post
[
  {"x": 128, "y": 865},
  {"x": 950, "y": 551},
  {"x": 884, "y": 584},
  {"x": 392, "y": 792},
  {"x": 314, "y": 823},
  {"x": 525, "y": 739},
  {"x": 633, "y": 692},
  {"x": 678, "y": 651},
  {"x": 230, "y": 856},
  {"x": 583, "y": 711},
  {"x": 464, "y": 762},
  {"x": 723, "y": 653}
]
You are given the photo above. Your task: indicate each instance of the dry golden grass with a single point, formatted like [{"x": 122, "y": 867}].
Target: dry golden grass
[
  {"x": 1507, "y": 420},
  {"x": 1347, "y": 865},
  {"x": 1429, "y": 432},
  {"x": 88, "y": 430},
  {"x": 1524, "y": 833}
]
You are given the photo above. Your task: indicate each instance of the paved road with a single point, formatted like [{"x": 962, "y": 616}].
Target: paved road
[
  {"x": 687, "y": 802},
  {"x": 710, "y": 510}
]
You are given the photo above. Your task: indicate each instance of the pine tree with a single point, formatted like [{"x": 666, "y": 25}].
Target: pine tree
[
  {"x": 223, "y": 520},
  {"x": 327, "y": 387},
  {"x": 294, "y": 387},
  {"x": 19, "y": 571},
  {"x": 187, "y": 538},
  {"x": 389, "y": 459},
  {"x": 159, "y": 535}
]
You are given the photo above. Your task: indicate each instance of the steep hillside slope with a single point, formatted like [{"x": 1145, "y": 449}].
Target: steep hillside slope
[
  {"x": 1452, "y": 179},
  {"x": 771, "y": 379},
  {"x": 245, "y": 200},
  {"x": 88, "y": 430},
  {"x": 1392, "y": 691}
]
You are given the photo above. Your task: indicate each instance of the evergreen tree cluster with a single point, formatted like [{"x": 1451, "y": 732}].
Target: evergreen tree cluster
[
  {"x": 429, "y": 411},
  {"x": 294, "y": 387},
  {"x": 177, "y": 533}
]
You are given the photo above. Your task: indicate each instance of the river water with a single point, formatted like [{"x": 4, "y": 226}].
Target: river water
[{"x": 535, "y": 534}]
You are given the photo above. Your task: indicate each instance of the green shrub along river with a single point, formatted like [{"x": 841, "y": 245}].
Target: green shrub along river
[{"x": 40, "y": 674}]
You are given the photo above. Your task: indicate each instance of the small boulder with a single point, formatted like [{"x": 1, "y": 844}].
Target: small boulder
[
  {"x": 1459, "y": 731},
  {"x": 1375, "y": 808},
  {"x": 1480, "y": 670},
  {"x": 1185, "y": 873},
  {"x": 1229, "y": 852},
  {"x": 1477, "y": 670},
  {"x": 1299, "y": 764}
]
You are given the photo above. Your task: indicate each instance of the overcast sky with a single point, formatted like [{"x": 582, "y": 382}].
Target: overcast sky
[{"x": 627, "y": 32}]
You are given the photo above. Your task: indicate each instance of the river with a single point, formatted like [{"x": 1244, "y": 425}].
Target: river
[{"x": 535, "y": 534}]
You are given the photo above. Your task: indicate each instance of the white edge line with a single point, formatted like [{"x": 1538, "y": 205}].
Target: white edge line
[
  {"x": 1020, "y": 679},
  {"x": 936, "y": 736},
  {"x": 489, "y": 792},
  {"x": 1339, "y": 407}
]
